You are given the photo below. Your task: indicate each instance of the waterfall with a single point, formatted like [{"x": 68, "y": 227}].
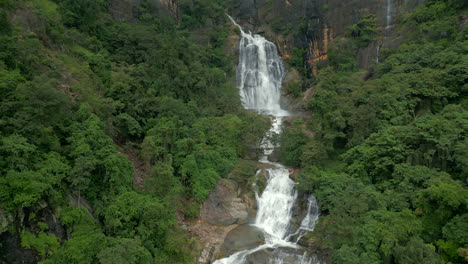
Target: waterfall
[
  {"x": 276, "y": 204},
  {"x": 309, "y": 221},
  {"x": 259, "y": 76},
  {"x": 313, "y": 213},
  {"x": 377, "y": 53},
  {"x": 389, "y": 14}
]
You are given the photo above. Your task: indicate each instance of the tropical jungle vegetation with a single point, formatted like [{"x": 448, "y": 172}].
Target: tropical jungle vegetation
[
  {"x": 388, "y": 163},
  {"x": 112, "y": 128}
]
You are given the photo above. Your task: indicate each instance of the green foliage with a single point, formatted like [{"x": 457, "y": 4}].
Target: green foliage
[
  {"x": 364, "y": 30},
  {"x": 292, "y": 144},
  {"x": 179, "y": 248},
  {"x": 346, "y": 255},
  {"x": 124, "y": 251},
  {"x": 456, "y": 230},
  {"x": 163, "y": 182},
  {"x": 416, "y": 251},
  {"x": 197, "y": 155},
  {"x": 44, "y": 244},
  {"x": 383, "y": 230},
  {"x": 456, "y": 239},
  {"x": 71, "y": 216},
  {"x": 200, "y": 13},
  {"x": 243, "y": 171},
  {"x": 76, "y": 87},
  {"x": 313, "y": 153},
  {"x": 127, "y": 125},
  {"x": 297, "y": 60},
  {"x": 400, "y": 196},
  {"x": 81, "y": 14},
  {"x": 9, "y": 80},
  {"x": 85, "y": 243},
  {"x": 342, "y": 55},
  {"x": 97, "y": 165},
  {"x": 79, "y": 91},
  {"x": 281, "y": 26},
  {"x": 253, "y": 128},
  {"x": 136, "y": 215},
  {"x": 435, "y": 20},
  {"x": 24, "y": 184},
  {"x": 294, "y": 88},
  {"x": 5, "y": 26}
]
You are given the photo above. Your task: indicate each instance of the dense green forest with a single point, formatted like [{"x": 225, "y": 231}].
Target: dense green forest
[
  {"x": 111, "y": 130},
  {"x": 81, "y": 96},
  {"x": 389, "y": 162}
]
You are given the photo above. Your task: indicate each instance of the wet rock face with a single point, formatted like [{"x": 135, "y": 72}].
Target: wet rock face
[
  {"x": 241, "y": 238},
  {"x": 223, "y": 206}
]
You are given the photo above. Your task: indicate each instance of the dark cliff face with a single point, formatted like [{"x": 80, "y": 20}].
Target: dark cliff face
[{"x": 312, "y": 24}]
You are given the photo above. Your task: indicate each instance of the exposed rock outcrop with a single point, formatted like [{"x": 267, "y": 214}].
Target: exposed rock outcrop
[
  {"x": 211, "y": 238},
  {"x": 241, "y": 238},
  {"x": 224, "y": 206}
]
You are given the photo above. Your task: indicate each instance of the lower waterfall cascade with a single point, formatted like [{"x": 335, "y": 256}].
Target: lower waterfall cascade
[{"x": 259, "y": 76}]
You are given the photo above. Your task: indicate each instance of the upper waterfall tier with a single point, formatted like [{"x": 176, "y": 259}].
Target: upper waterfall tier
[{"x": 259, "y": 74}]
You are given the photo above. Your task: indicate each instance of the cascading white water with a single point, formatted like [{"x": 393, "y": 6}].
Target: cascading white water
[
  {"x": 276, "y": 204},
  {"x": 389, "y": 14},
  {"x": 259, "y": 75}
]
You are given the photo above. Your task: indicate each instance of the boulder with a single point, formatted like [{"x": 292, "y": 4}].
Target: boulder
[
  {"x": 241, "y": 238},
  {"x": 223, "y": 206}
]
